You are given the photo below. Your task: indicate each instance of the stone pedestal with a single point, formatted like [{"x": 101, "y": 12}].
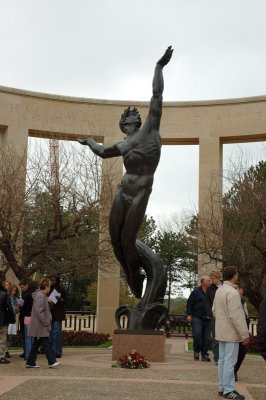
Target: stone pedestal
[{"x": 150, "y": 344}]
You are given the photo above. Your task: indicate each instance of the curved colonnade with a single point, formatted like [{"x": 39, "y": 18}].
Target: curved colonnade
[{"x": 208, "y": 124}]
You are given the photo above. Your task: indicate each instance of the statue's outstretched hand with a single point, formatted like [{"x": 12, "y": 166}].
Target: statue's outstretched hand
[
  {"x": 82, "y": 141},
  {"x": 166, "y": 57},
  {"x": 87, "y": 142}
]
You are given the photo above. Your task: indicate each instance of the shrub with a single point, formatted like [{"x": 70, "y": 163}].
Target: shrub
[
  {"x": 74, "y": 338},
  {"x": 83, "y": 338}
]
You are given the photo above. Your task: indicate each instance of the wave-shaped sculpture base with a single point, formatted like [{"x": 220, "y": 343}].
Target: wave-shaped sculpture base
[
  {"x": 150, "y": 316},
  {"x": 150, "y": 311}
]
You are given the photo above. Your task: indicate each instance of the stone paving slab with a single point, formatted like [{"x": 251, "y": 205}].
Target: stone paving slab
[
  {"x": 87, "y": 374},
  {"x": 257, "y": 393},
  {"x": 70, "y": 389}
]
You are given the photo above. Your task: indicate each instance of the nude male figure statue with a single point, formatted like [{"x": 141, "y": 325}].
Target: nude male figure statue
[{"x": 141, "y": 152}]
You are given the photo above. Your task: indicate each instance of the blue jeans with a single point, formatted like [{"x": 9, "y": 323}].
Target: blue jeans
[
  {"x": 45, "y": 344},
  {"x": 22, "y": 331},
  {"x": 56, "y": 337},
  {"x": 215, "y": 343},
  {"x": 28, "y": 342},
  {"x": 228, "y": 353},
  {"x": 201, "y": 331}
]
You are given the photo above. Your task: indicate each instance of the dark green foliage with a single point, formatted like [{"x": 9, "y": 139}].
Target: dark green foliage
[
  {"x": 148, "y": 232},
  {"x": 76, "y": 284},
  {"x": 178, "y": 305},
  {"x": 178, "y": 252},
  {"x": 244, "y": 235}
]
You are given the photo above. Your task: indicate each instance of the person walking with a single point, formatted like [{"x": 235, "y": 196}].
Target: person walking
[
  {"x": 215, "y": 276},
  {"x": 230, "y": 329},
  {"x": 24, "y": 287},
  {"x": 199, "y": 315},
  {"x": 26, "y": 311},
  {"x": 40, "y": 326}
]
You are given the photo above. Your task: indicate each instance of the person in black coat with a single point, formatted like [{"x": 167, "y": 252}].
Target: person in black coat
[
  {"x": 242, "y": 349},
  {"x": 24, "y": 287},
  {"x": 58, "y": 315},
  {"x": 7, "y": 316},
  {"x": 261, "y": 336},
  {"x": 215, "y": 276},
  {"x": 25, "y": 314}
]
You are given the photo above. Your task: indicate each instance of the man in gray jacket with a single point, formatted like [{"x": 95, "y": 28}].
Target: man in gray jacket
[{"x": 230, "y": 329}]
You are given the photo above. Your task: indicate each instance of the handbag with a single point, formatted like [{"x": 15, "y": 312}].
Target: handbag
[{"x": 26, "y": 320}]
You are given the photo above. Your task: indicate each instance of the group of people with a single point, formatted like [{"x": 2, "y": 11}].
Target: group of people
[
  {"x": 40, "y": 308},
  {"x": 218, "y": 314}
]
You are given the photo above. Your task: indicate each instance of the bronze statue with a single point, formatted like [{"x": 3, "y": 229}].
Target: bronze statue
[{"x": 141, "y": 152}]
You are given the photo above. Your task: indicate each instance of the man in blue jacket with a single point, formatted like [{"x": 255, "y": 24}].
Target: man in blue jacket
[{"x": 199, "y": 315}]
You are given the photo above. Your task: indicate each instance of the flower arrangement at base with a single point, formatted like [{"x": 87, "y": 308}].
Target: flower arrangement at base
[{"x": 133, "y": 360}]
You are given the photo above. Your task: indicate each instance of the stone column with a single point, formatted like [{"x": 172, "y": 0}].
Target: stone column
[
  {"x": 14, "y": 142},
  {"x": 108, "y": 269},
  {"x": 210, "y": 204}
]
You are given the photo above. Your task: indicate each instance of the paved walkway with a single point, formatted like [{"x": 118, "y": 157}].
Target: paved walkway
[{"x": 87, "y": 374}]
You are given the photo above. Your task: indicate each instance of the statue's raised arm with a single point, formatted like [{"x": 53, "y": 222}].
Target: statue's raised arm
[
  {"x": 155, "y": 110},
  {"x": 164, "y": 60}
]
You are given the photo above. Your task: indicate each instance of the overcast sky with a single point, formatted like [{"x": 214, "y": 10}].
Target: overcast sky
[{"x": 107, "y": 50}]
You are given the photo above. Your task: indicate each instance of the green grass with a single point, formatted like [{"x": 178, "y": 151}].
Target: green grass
[
  {"x": 190, "y": 348},
  {"x": 105, "y": 345}
]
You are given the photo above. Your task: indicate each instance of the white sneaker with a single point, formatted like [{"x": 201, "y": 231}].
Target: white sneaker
[
  {"x": 32, "y": 366},
  {"x": 54, "y": 365}
]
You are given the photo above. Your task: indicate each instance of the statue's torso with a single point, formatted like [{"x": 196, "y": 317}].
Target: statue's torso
[{"x": 141, "y": 154}]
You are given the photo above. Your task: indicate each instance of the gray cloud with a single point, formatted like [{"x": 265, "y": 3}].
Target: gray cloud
[{"x": 107, "y": 49}]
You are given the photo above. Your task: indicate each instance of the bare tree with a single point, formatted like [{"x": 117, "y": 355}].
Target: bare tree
[
  {"x": 12, "y": 207},
  {"x": 41, "y": 227}
]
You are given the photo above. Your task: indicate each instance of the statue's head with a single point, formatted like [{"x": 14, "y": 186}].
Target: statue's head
[{"x": 129, "y": 120}]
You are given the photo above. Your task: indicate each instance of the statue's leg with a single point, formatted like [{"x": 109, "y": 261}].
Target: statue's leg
[
  {"x": 116, "y": 222},
  {"x": 132, "y": 223}
]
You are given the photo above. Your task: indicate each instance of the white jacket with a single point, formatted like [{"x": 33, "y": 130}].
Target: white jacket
[{"x": 230, "y": 322}]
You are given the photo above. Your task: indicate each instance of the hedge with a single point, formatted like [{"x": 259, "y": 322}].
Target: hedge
[{"x": 74, "y": 338}]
